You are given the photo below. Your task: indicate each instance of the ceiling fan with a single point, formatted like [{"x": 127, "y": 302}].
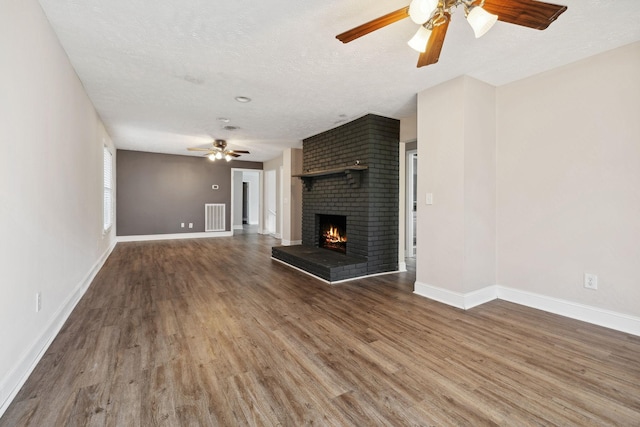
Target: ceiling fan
[
  {"x": 219, "y": 151},
  {"x": 434, "y": 16}
]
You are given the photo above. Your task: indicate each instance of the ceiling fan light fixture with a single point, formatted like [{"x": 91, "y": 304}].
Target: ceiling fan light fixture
[
  {"x": 228, "y": 157},
  {"x": 212, "y": 157},
  {"x": 420, "y": 10},
  {"x": 419, "y": 41},
  {"x": 480, "y": 20},
  {"x": 219, "y": 155}
]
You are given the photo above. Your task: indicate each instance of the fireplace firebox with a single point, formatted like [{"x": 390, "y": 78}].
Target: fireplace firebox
[{"x": 332, "y": 232}]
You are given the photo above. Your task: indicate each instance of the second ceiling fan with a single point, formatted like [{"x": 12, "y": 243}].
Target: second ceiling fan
[
  {"x": 219, "y": 151},
  {"x": 434, "y": 16}
]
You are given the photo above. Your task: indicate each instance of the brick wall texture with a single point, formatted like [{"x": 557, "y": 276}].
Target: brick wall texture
[{"x": 371, "y": 206}]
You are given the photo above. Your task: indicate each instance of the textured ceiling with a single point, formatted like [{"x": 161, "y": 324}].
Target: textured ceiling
[{"x": 161, "y": 73}]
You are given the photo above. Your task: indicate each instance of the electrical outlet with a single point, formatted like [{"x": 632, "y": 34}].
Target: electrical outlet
[
  {"x": 38, "y": 302},
  {"x": 590, "y": 281},
  {"x": 190, "y": 225},
  {"x": 182, "y": 225}
]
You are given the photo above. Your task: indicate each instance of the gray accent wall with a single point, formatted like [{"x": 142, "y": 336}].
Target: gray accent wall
[{"x": 158, "y": 192}]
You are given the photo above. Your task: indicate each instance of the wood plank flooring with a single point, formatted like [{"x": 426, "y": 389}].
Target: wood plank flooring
[{"x": 212, "y": 332}]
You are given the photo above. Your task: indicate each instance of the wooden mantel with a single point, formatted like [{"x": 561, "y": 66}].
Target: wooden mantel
[{"x": 348, "y": 171}]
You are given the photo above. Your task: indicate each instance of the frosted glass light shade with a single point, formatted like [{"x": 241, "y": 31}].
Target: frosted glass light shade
[
  {"x": 228, "y": 157},
  {"x": 481, "y": 21},
  {"x": 212, "y": 157},
  {"x": 419, "y": 40},
  {"x": 420, "y": 10},
  {"x": 219, "y": 155}
]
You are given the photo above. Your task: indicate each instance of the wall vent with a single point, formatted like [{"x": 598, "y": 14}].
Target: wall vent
[{"x": 214, "y": 216}]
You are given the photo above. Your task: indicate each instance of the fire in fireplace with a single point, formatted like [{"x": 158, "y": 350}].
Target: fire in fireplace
[{"x": 333, "y": 232}]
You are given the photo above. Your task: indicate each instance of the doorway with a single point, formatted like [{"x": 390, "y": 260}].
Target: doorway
[
  {"x": 245, "y": 203},
  {"x": 246, "y": 200},
  {"x": 411, "y": 203}
]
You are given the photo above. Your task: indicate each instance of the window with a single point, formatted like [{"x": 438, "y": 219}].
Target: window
[{"x": 107, "y": 214}]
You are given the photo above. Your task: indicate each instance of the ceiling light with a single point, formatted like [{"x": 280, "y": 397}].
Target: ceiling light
[
  {"x": 480, "y": 20},
  {"x": 223, "y": 120},
  {"x": 431, "y": 15},
  {"x": 219, "y": 155},
  {"x": 420, "y": 10},
  {"x": 419, "y": 41},
  {"x": 228, "y": 157},
  {"x": 212, "y": 157},
  {"x": 243, "y": 99}
]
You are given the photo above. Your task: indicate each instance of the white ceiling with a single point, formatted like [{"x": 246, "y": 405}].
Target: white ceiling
[{"x": 160, "y": 73}]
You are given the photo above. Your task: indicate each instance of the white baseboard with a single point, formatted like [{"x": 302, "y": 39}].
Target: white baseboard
[
  {"x": 149, "y": 237},
  {"x": 291, "y": 242},
  {"x": 13, "y": 382},
  {"x": 597, "y": 316},
  {"x": 456, "y": 299}
]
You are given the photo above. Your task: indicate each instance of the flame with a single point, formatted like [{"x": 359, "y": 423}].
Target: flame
[{"x": 332, "y": 235}]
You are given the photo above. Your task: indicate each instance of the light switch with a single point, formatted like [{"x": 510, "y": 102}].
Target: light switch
[{"x": 429, "y": 198}]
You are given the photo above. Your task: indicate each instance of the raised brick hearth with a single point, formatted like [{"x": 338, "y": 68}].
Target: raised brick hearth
[{"x": 368, "y": 198}]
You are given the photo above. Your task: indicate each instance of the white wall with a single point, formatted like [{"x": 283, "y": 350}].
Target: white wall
[
  {"x": 479, "y": 185},
  {"x": 409, "y": 129},
  {"x": 564, "y": 190},
  {"x": 292, "y": 197},
  {"x": 568, "y": 181},
  {"x": 289, "y": 195},
  {"x": 275, "y": 165},
  {"x": 456, "y": 234},
  {"x": 50, "y": 190},
  {"x": 440, "y": 169}
]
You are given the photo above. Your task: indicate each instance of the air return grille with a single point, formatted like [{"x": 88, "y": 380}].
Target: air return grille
[{"x": 214, "y": 214}]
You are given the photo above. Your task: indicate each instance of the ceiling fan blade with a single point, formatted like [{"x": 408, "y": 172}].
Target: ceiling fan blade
[
  {"x": 198, "y": 149},
  {"x": 371, "y": 26},
  {"x": 528, "y": 13},
  {"x": 239, "y": 151},
  {"x": 434, "y": 45},
  {"x": 232, "y": 154}
]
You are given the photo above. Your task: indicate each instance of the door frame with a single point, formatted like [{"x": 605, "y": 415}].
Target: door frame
[{"x": 409, "y": 203}]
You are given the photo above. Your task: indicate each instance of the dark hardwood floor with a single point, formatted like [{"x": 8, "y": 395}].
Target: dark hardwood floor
[{"x": 213, "y": 332}]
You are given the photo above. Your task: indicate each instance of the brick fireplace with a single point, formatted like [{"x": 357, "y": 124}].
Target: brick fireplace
[{"x": 351, "y": 173}]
